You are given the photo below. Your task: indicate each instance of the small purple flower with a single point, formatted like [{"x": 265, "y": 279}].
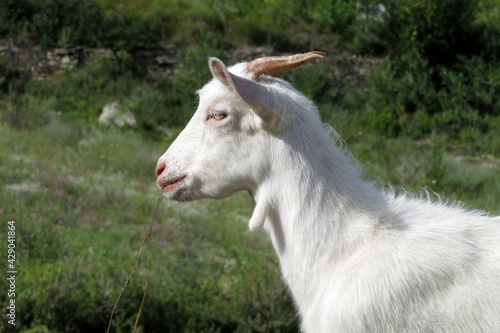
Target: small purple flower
[
  {"x": 65, "y": 245},
  {"x": 184, "y": 259},
  {"x": 60, "y": 221},
  {"x": 1, "y": 211},
  {"x": 179, "y": 227},
  {"x": 23, "y": 250},
  {"x": 31, "y": 235},
  {"x": 36, "y": 210}
]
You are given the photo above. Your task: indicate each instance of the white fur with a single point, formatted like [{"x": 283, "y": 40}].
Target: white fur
[{"x": 356, "y": 259}]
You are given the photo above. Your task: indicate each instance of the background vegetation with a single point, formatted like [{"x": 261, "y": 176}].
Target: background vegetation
[{"x": 82, "y": 195}]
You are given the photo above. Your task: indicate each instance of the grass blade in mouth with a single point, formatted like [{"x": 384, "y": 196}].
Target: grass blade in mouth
[{"x": 148, "y": 236}]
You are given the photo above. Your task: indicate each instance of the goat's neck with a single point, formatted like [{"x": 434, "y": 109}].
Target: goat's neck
[{"x": 317, "y": 210}]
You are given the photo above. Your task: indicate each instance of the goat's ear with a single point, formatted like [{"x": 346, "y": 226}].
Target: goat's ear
[
  {"x": 253, "y": 93},
  {"x": 220, "y": 72}
]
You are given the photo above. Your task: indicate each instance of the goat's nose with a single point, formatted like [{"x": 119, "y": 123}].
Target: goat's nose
[{"x": 160, "y": 167}]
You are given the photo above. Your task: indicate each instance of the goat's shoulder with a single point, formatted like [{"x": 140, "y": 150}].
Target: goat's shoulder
[{"x": 427, "y": 210}]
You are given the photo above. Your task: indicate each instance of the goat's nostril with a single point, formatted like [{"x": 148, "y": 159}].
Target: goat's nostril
[{"x": 159, "y": 168}]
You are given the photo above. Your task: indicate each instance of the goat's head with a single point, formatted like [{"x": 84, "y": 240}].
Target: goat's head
[{"x": 223, "y": 147}]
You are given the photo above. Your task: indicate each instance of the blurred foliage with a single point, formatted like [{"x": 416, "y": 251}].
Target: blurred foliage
[
  {"x": 11, "y": 79},
  {"x": 441, "y": 72},
  {"x": 155, "y": 99},
  {"x": 66, "y": 23},
  {"x": 77, "y": 184}
]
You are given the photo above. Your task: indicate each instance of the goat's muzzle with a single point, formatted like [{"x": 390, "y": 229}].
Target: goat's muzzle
[
  {"x": 168, "y": 184},
  {"x": 166, "y": 181}
]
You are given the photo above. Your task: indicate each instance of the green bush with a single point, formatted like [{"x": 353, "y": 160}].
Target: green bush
[
  {"x": 11, "y": 79},
  {"x": 157, "y": 100},
  {"x": 69, "y": 23},
  {"x": 441, "y": 72},
  {"x": 27, "y": 112}
]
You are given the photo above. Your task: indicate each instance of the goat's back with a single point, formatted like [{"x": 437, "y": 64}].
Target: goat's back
[{"x": 429, "y": 267}]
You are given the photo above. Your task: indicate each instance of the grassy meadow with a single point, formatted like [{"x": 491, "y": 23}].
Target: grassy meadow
[
  {"x": 82, "y": 201},
  {"x": 79, "y": 224},
  {"x": 82, "y": 195}
]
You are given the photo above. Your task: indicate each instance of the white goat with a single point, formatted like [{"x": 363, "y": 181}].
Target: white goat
[{"x": 355, "y": 258}]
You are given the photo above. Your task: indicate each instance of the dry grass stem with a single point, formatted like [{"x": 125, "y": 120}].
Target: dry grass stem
[{"x": 148, "y": 236}]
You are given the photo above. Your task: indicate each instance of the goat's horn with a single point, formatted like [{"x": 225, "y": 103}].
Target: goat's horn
[{"x": 273, "y": 65}]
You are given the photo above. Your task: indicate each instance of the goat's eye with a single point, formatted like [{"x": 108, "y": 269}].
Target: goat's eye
[{"x": 218, "y": 115}]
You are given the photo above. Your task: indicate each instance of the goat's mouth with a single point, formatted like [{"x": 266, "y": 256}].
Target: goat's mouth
[{"x": 170, "y": 185}]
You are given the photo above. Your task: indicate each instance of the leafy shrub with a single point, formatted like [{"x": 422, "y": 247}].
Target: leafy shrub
[
  {"x": 75, "y": 22},
  {"x": 441, "y": 72},
  {"x": 286, "y": 25},
  {"x": 80, "y": 94},
  {"x": 27, "y": 112},
  {"x": 157, "y": 100},
  {"x": 11, "y": 79}
]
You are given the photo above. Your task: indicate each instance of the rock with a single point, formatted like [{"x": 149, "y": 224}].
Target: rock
[
  {"x": 161, "y": 62},
  {"x": 112, "y": 113},
  {"x": 158, "y": 59},
  {"x": 166, "y": 60},
  {"x": 168, "y": 131}
]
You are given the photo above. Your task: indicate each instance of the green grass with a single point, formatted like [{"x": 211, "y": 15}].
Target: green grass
[
  {"x": 82, "y": 201},
  {"x": 79, "y": 223},
  {"x": 457, "y": 172}
]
